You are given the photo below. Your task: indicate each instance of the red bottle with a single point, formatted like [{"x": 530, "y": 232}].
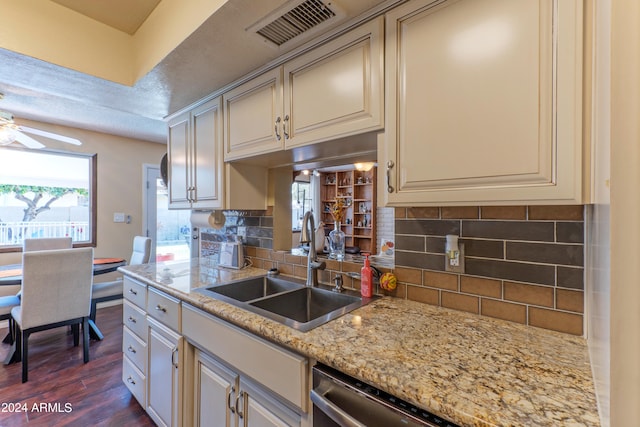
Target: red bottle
[{"x": 366, "y": 281}]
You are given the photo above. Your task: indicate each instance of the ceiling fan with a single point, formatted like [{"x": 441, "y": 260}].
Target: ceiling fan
[{"x": 10, "y": 132}]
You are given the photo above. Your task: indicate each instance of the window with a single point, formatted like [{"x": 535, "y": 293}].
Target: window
[
  {"x": 300, "y": 203},
  {"x": 46, "y": 194}
]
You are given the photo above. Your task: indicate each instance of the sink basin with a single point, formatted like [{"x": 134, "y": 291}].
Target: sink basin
[
  {"x": 308, "y": 304},
  {"x": 287, "y": 301},
  {"x": 254, "y": 288}
]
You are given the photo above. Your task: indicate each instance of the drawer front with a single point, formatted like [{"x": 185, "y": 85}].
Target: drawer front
[
  {"x": 135, "y": 349},
  {"x": 135, "y": 381},
  {"x": 164, "y": 308},
  {"x": 276, "y": 368},
  {"x": 135, "y": 292},
  {"x": 135, "y": 319}
]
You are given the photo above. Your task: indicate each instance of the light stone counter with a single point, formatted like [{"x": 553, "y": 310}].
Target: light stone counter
[{"x": 473, "y": 370}]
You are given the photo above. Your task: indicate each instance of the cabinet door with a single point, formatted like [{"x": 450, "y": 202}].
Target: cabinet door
[
  {"x": 253, "y": 117},
  {"x": 178, "y": 147},
  {"x": 261, "y": 409},
  {"x": 164, "y": 376},
  {"x": 208, "y": 165},
  {"x": 336, "y": 89},
  {"x": 484, "y": 102},
  {"x": 216, "y": 388}
]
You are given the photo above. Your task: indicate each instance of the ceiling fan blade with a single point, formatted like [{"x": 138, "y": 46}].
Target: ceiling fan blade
[
  {"x": 26, "y": 140},
  {"x": 51, "y": 135}
]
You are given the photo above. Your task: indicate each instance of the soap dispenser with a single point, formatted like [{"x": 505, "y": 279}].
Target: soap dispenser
[{"x": 366, "y": 285}]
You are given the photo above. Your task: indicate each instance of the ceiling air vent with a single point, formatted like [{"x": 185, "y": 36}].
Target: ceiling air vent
[{"x": 308, "y": 16}]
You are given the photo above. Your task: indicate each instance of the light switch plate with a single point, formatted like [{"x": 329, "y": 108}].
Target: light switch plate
[{"x": 118, "y": 217}]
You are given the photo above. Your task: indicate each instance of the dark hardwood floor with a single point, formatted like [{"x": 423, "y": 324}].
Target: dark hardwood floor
[{"x": 63, "y": 391}]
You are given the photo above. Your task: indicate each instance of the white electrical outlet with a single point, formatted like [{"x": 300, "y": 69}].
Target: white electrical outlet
[
  {"x": 242, "y": 232},
  {"x": 118, "y": 217}
]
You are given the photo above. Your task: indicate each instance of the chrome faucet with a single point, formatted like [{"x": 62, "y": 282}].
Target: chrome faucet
[{"x": 308, "y": 235}]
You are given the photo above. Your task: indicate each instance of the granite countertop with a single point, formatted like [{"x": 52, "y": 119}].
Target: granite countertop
[{"x": 472, "y": 370}]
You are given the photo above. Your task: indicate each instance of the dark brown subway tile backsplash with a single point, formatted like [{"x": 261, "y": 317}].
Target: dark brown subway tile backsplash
[{"x": 523, "y": 263}]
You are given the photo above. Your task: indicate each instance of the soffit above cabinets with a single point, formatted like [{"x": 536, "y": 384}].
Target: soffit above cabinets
[{"x": 124, "y": 15}]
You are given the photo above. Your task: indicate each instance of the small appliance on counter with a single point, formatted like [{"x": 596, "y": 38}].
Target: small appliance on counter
[{"x": 231, "y": 255}]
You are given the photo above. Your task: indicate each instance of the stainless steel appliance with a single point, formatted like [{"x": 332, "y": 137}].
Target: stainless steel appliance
[{"x": 342, "y": 401}]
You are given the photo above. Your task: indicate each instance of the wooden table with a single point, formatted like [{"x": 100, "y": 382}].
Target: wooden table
[{"x": 11, "y": 275}]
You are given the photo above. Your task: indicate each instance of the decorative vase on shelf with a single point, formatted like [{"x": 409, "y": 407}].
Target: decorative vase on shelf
[{"x": 336, "y": 242}]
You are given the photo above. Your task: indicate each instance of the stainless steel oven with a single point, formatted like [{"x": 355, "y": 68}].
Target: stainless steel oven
[{"x": 343, "y": 401}]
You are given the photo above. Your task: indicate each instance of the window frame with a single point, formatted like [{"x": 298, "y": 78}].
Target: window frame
[{"x": 93, "y": 195}]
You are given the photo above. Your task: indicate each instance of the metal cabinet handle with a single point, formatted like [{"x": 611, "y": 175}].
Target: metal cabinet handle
[
  {"x": 130, "y": 380},
  {"x": 173, "y": 353},
  {"x": 278, "y": 137},
  {"x": 161, "y": 308},
  {"x": 231, "y": 407},
  {"x": 131, "y": 350},
  {"x": 131, "y": 291},
  {"x": 284, "y": 127},
  {"x": 132, "y": 320},
  {"x": 390, "y": 164},
  {"x": 238, "y": 411}
]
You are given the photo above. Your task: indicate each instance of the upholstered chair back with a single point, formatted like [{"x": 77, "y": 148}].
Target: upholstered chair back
[
  {"x": 56, "y": 286},
  {"x": 46, "y": 244},
  {"x": 141, "y": 250}
]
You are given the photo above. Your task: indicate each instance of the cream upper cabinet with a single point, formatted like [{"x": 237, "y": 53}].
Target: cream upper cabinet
[
  {"x": 253, "y": 117},
  {"x": 332, "y": 91},
  {"x": 335, "y": 90},
  {"x": 195, "y": 158},
  {"x": 198, "y": 176},
  {"x": 483, "y": 103}
]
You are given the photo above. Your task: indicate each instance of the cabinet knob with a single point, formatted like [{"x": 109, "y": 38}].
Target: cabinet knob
[
  {"x": 161, "y": 308},
  {"x": 390, "y": 165},
  {"x": 131, "y": 350},
  {"x": 130, "y": 380},
  {"x": 132, "y": 320},
  {"x": 131, "y": 291}
]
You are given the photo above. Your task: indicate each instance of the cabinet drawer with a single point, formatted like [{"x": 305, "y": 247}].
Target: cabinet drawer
[
  {"x": 135, "y": 319},
  {"x": 277, "y": 369},
  {"x": 135, "y": 349},
  {"x": 135, "y": 292},
  {"x": 164, "y": 308},
  {"x": 135, "y": 381}
]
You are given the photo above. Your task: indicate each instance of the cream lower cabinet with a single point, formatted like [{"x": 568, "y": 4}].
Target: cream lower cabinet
[
  {"x": 242, "y": 380},
  {"x": 164, "y": 378},
  {"x": 223, "y": 399},
  {"x": 165, "y": 366},
  {"x": 483, "y": 103},
  {"x": 134, "y": 339}
]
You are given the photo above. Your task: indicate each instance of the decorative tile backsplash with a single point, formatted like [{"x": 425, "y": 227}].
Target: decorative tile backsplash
[{"x": 524, "y": 264}]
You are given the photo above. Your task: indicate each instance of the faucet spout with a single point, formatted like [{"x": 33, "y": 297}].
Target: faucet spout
[{"x": 308, "y": 235}]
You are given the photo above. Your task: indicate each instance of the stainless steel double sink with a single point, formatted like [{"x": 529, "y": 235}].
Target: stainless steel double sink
[{"x": 287, "y": 300}]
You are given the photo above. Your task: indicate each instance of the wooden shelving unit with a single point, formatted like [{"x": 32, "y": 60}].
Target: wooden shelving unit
[{"x": 357, "y": 188}]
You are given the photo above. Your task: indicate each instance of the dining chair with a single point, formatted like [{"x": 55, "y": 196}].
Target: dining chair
[
  {"x": 112, "y": 290},
  {"x": 46, "y": 243},
  {"x": 56, "y": 291},
  {"x": 10, "y": 301}
]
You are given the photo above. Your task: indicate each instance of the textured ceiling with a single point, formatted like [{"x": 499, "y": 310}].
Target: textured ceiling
[{"x": 214, "y": 55}]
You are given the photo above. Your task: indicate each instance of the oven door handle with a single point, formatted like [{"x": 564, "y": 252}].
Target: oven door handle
[{"x": 334, "y": 412}]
